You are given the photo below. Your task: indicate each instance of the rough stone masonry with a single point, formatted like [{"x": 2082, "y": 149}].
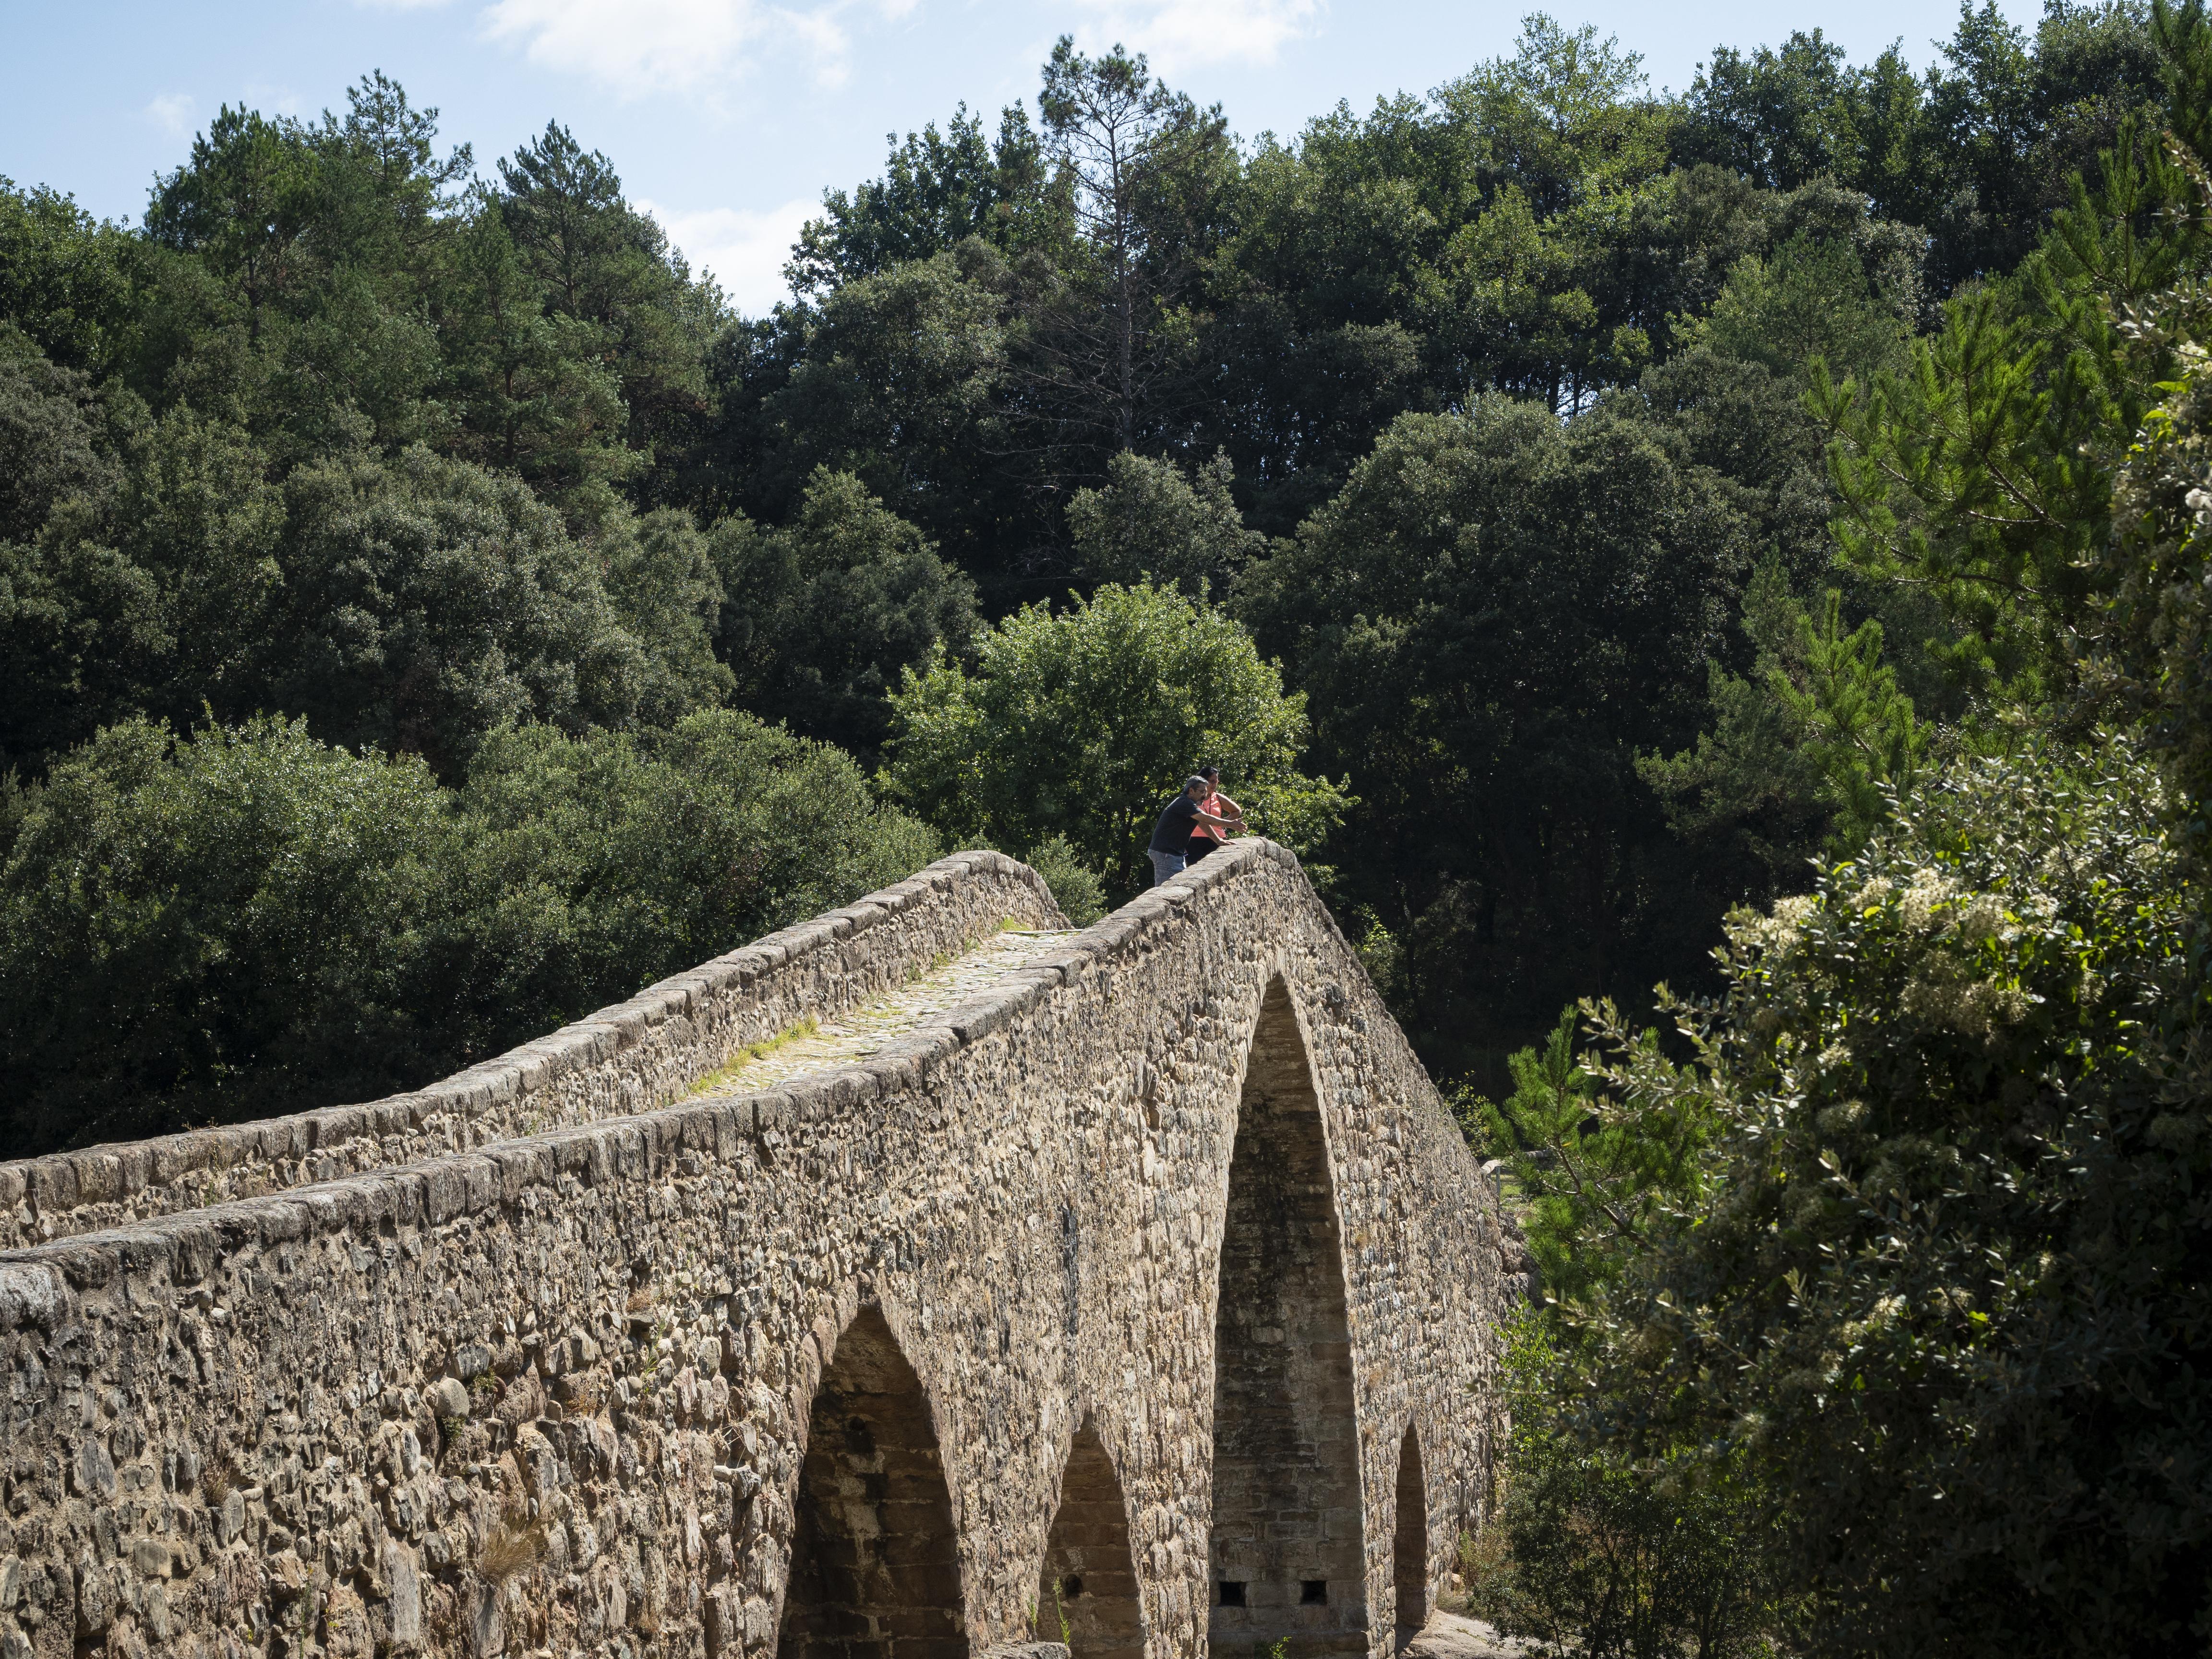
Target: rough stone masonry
[{"x": 1145, "y": 1302}]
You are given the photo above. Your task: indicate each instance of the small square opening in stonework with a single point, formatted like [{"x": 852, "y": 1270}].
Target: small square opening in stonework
[
  {"x": 1232, "y": 1592},
  {"x": 1313, "y": 1593},
  {"x": 1071, "y": 1586}
]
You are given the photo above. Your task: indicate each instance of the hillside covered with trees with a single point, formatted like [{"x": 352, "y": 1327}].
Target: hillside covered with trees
[
  {"x": 1751, "y": 544},
  {"x": 388, "y": 475}
]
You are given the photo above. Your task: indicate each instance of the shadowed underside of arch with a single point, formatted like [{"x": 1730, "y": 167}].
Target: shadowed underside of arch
[
  {"x": 1409, "y": 1549},
  {"x": 875, "y": 1568},
  {"x": 1087, "y": 1595},
  {"x": 1287, "y": 1554}
]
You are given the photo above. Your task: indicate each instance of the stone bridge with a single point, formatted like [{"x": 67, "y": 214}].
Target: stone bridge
[{"x": 926, "y": 1280}]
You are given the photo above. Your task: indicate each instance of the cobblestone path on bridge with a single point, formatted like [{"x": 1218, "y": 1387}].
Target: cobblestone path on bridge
[{"x": 855, "y": 1034}]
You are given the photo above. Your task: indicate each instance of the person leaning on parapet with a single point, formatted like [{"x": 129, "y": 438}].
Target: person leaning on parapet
[
  {"x": 1171, "y": 834},
  {"x": 1204, "y": 837}
]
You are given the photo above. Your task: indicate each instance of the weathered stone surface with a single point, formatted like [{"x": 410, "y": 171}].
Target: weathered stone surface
[
  {"x": 991, "y": 1311},
  {"x": 625, "y": 1059},
  {"x": 1451, "y": 1636},
  {"x": 449, "y": 1398}
]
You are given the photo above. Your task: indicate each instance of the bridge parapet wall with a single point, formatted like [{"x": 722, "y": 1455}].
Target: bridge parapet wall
[
  {"x": 554, "y": 1393},
  {"x": 629, "y": 1058}
]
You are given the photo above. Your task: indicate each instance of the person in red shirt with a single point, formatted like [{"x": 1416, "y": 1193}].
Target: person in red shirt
[{"x": 1208, "y": 832}]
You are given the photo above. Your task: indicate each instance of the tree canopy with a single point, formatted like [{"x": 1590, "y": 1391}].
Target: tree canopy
[
  {"x": 1878, "y": 1313},
  {"x": 1479, "y": 410},
  {"x": 1085, "y": 723}
]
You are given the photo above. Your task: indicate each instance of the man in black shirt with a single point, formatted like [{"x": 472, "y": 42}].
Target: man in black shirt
[{"x": 1171, "y": 834}]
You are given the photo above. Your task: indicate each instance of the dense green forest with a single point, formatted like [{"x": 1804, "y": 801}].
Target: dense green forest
[
  {"x": 1878, "y": 1274},
  {"x": 361, "y": 472},
  {"x": 1755, "y": 543}
]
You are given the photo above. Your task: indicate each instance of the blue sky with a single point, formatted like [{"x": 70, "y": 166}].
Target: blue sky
[{"x": 727, "y": 119}]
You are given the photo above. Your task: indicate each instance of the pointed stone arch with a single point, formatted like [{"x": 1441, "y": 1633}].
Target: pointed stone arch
[
  {"x": 1087, "y": 1592},
  {"x": 1409, "y": 1544},
  {"x": 875, "y": 1561},
  {"x": 1286, "y": 1553}
]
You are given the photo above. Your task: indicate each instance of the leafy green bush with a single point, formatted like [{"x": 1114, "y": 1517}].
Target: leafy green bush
[
  {"x": 2157, "y": 634},
  {"x": 220, "y": 924},
  {"x": 1945, "y": 1299},
  {"x": 824, "y": 613},
  {"x": 1075, "y": 885},
  {"x": 1152, "y": 524},
  {"x": 244, "y": 922},
  {"x": 1492, "y": 617},
  {"x": 50, "y": 437},
  {"x": 1597, "y": 1543},
  {"x": 1588, "y": 1180},
  {"x": 598, "y": 865},
  {"x": 1617, "y": 1558},
  {"x": 1819, "y": 734},
  {"x": 427, "y": 601},
  {"x": 1082, "y": 724},
  {"x": 1811, "y": 299},
  {"x": 414, "y": 603}
]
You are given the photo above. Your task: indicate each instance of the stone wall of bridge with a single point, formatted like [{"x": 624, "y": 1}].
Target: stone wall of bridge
[
  {"x": 907, "y": 1360},
  {"x": 626, "y": 1059}
]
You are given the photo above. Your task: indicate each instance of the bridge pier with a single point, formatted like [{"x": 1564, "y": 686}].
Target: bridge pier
[
  {"x": 1087, "y": 1594},
  {"x": 1289, "y": 1569}
]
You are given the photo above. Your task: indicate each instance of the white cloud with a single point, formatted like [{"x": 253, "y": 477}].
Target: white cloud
[
  {"x": 824, "y": 37},
  {"x": 268, "y": 98},
  {"x": 173, "y": 112},
  {"x": 639, "y": 48},
  {"x": 1184, "y": 35},
  {"x": 745, "y": 250}
]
